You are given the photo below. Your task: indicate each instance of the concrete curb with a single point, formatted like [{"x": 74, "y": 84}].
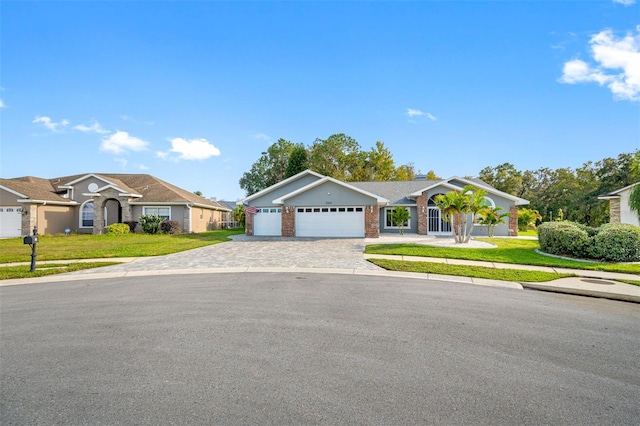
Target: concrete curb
[{"x": 164, "y": 272}]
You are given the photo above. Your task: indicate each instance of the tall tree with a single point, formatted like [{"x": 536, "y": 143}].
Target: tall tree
[
  {"x": 270, "y": 168},
  {"x": 405, "y": 172},
  {"x": 505, "y": 178},
  {"x": 298, "y": 161},
  {"x": 338, "y": 156},
  {"x": 381, "y": 164},
  {"x": 460, "y": 208}
]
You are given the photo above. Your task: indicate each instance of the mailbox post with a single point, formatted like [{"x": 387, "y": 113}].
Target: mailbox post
[{"x": 32, "y": 240}]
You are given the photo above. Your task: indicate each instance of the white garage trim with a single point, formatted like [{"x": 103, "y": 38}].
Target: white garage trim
[
  {"x": 268, "y": 222},
  {"x": 345, "y": 221},
  {"x": 10, "y": 221}
]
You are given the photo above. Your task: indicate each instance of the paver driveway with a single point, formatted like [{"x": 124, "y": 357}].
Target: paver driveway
[{"x": 265, "y": 252}]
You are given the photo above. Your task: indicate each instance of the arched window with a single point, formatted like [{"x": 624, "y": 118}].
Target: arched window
[
  {"x": 490, "y": 202},
  {"x": 86, "y": 214}
]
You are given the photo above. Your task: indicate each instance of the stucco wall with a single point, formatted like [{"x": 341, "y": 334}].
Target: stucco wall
[
  {"x": 626, "y": 215},
  {"x": 203, "y": 219},
  {"x": 266, "y": 200},
  {"x": 330, "y": 194},
  {"x": 54, "y": 219}
]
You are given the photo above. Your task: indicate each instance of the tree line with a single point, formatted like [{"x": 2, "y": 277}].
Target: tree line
[
  {"x": 339, "y": 156},
  {"x": 563, "y": 193}
]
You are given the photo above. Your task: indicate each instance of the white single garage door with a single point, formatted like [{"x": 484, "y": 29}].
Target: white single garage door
[
  {"x": 268, "y": 222},
  {"x": 330, "y": 222},
  {"x": 10, "y": 221}
]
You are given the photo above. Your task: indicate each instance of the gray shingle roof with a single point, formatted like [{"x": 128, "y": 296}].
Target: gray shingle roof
[{"x": 395, "y": 191}]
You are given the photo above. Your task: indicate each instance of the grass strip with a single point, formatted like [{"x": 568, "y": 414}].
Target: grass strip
[
  {"x": 514, "y": 251},
  {"x": 87, "y": 246},
  {"x": 632, "y": 282},
  {"x": 23, "y": 271},
  {"x": 469, "y": 271}
]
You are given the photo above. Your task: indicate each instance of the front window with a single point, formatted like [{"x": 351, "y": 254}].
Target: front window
[
  {"x": 388, "y": 217},
  {"x": 163, "y": 212}
]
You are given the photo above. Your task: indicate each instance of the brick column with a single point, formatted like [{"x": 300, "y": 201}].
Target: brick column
[
  {"x": 423, "y": 211},
  {"x": 288, "y": 221},
  {"x": 371, "y": 222},
  {"x": 614, "y": 210},
  {"x": 513, "y": 221},
  {"x": 248, "y": 224}
]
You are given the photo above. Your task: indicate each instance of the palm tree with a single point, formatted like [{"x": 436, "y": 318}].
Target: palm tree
[
  {"x": 399, "y": 216},
  {"x": 460, "y": 208},
  {"x": 493, "y": 217}
]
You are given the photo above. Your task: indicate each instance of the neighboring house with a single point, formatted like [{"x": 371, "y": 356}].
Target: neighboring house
[
  {"x": 88, "y": 203},
  {"x": 312, "y": 205},
  {"x": 619, "y": 210},
  {"x": 229, "y": 221}
]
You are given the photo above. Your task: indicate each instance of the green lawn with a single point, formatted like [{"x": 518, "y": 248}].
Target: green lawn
[
  {"x": 469, "y": 271},
  {"x": 24, "y": 271},
  {"x": 87, "y": 246},
  {"x": 508, "y": 250}
]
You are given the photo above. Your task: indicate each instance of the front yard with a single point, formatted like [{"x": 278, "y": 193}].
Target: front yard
[
  {"x": 87, "y": 246},
  {"x": 508, "y": 250}
]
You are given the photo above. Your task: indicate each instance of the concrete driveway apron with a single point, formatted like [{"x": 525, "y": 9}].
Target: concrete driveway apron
[{"x": 260, "y": 252}]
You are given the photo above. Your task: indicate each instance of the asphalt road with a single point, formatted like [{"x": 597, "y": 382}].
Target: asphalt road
[{"x": 313, "y": 349}]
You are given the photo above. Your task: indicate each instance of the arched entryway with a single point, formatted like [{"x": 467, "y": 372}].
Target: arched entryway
[{"x": 436, "y": 225}]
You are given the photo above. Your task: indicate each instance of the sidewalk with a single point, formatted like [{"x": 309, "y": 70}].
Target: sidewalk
[{"x": 587, "y": 283}]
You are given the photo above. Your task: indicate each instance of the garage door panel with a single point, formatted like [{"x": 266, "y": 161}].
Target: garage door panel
[
  {"x": 330, "y": 222},
  {"x": 268, "y": 222},
  {"x": 10, "y": 221}
]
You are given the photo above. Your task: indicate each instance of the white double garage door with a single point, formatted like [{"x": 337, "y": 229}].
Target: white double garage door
[
  {"x": 10, "y": 221},
  {"x": 342, "y": 222}
]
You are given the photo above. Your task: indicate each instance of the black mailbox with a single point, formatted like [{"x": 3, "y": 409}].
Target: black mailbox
[{"x": 31, "y": 239}]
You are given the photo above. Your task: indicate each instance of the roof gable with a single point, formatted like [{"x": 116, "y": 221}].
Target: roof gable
[
  {"x": 324, "y": 180},
  {"x": 281, "y": 184}
]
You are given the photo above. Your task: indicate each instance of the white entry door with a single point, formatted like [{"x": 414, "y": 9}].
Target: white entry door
[
  {"x": 330, "y": 222},
  {"x": 268, "y": 222},
  {"x": 437, "y": 225},
  {"x": 10, "y": 221}
]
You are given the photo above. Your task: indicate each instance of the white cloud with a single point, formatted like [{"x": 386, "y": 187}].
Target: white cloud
[
  {"x": 2, "y": 105},
  {"x": 625, "y": 2},
  {"x": 120, "y": 142},
  {"x": 417, "y": 113},
  {"x": 143, "y": 167},
  {"x": 617, "y": 65},
  {"x": 190, "y": 149},
  {"x": 50, "y": 124},
  {"x": 261, "y": 136},
  {"x": 94, "y": 128}
]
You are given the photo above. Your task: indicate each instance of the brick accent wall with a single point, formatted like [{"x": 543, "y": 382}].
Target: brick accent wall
[
  {"x": 513, "y": 221},
  {"x": 371, "y": 221},
  {"x": 421, "y": 202},
  {"x": 288, "y": 221},
  {"x": 614, "y": 210},
  {"x": 248, "y": 224},
  {"x": 29, "y": 218}
]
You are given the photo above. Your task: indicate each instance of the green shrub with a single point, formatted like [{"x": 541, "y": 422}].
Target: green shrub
[
  {"x": 616, "y": 242},
  {"x": 170, "y": 227},
  {"x": 589, "y": 230},
  {"x": 118, "y": 229},
  {"x": 150, "y": 223},
  {"x": 132, "y": 225},
  {"x": 563, "y": 238}
]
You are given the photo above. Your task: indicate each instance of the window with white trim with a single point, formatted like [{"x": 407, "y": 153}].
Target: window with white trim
[
  {"x": 163, "y": 212},
  {"x": 388, "y": 219},
  {"x": 86, "y": 215}
]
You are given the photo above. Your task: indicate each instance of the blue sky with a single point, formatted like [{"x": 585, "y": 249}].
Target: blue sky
[{"x": 193, "y": 92}]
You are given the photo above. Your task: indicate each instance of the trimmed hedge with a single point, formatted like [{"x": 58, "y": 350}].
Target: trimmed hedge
[
  {"x": 118, "y": 229},
  {"x": 612, "y": 242},
  {"x": 617, "y": 242}
]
